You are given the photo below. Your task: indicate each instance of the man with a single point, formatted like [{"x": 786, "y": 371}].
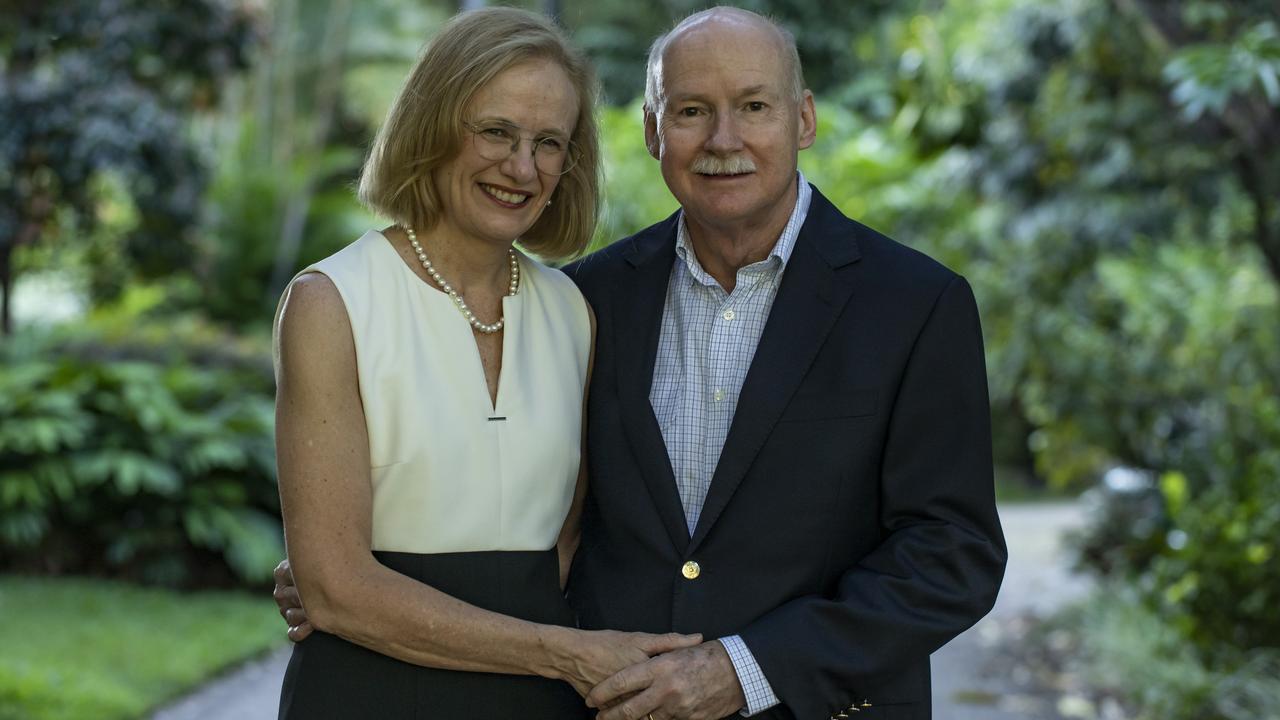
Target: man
[{"x": 788, "y": 428}]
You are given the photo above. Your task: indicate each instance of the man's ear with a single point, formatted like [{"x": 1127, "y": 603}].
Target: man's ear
[
  {"x": 651, "y": 142},
  {"x": 808, "y": 129}
]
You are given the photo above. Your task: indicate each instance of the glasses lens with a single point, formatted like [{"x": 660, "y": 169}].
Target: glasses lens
[
  {"x": 555, "y": 158},
  {"x": 492, "y": 143}
]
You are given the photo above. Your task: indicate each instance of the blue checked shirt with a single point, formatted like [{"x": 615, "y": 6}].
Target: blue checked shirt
[{"x": 707, "y": 341}]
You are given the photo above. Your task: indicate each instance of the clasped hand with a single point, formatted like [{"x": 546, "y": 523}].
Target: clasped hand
[{"x": 692, "y": 683}]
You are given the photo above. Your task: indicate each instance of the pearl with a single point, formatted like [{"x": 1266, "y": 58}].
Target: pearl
[{"x": 512, "y": 288}]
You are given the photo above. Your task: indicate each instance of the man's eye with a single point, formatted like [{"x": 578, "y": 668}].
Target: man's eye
[
  {"x": 688, "y": 112},
  {"x": 755, "y": 106}
]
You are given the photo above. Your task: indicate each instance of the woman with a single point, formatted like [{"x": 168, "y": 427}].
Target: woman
[{"x": 431, "y": 381}]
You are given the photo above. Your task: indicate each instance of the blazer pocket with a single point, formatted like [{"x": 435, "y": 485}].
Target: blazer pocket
[{"x": 811, "y": 406}]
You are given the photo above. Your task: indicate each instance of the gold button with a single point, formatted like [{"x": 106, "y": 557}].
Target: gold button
[{"x": 691, "y": 570}]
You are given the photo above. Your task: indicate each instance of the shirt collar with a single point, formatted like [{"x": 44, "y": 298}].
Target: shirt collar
[{"x": 781, "y": 249}]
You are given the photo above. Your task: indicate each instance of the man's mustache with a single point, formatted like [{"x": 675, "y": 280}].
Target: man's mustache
[{"x": 727, "y": 165}]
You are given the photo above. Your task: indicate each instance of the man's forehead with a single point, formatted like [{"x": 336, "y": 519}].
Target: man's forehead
[
  {"x": 737, "y": 59},
  {"x": 693, "y": 85}
]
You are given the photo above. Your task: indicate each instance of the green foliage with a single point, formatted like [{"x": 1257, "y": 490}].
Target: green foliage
[
  {"x": 150, "y": 459},
  {"x": 1128, "y": 526},
  {"x": 1187, "y": 344},
  {"x": 81, "y": 648},
  {"x": 1032, "y": 147},
  {"x": 87, "y": 89},
  {"x": 616, "y": 35},
  {"x": 1206, "y": 76},
  {"x": 635, "y": 195},
  {"x": 1128, "y": 651},
  {"x": 247, "y": 198},
  {"x": 1218, "y": 578}
]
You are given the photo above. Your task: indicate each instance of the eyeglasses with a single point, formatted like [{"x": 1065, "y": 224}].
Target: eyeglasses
[{"x": 496, "y": 141}]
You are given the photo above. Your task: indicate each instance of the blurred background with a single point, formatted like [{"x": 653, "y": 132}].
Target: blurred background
[{"x": 1105, "y": 172}]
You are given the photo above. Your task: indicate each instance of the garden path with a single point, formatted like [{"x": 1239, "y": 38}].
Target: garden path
[{"x": 972, "y": 678}]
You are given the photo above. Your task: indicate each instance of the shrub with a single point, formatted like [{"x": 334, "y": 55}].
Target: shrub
[
  {"x": 1192, "y": 394},
  {"x": 1127, "y": 651},
  {"x": 148, "y": 458},
  {"x": 1128, "y": 524},
  {"x": 1218, "y": 577}
]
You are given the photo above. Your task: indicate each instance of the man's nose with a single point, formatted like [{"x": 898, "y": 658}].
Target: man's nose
[{"x": 725, "y": 134}]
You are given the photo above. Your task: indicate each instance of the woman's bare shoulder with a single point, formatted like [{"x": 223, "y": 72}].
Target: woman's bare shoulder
[{"x": 313, "y": 317}]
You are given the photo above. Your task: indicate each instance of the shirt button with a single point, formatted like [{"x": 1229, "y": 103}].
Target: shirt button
[
  {"x": 718, "y": 395},
  {"x": 691, "y": 570},
  {"x": 728, "y": 314}
]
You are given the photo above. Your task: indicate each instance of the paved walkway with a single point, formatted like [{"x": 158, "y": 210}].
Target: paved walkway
[{"x": 967, "y": 683}]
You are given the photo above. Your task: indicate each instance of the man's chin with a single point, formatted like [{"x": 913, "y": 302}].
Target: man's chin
[{"x": 722, "y": 211}]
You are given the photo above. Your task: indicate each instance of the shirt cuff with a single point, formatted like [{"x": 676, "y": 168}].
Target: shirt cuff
[{"x": 755, "y": 687}]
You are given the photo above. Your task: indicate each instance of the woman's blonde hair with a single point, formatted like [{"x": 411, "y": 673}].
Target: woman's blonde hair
[{"x": 424, "y": 127}]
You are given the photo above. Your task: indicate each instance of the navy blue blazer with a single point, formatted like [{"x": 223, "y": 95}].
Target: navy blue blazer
[{"x": 850, "y": 528}]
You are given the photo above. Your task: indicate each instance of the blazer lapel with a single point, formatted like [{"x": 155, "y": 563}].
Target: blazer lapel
[
  {"x": 638, "y": 302},
  {"x": 816, "y": 286}
]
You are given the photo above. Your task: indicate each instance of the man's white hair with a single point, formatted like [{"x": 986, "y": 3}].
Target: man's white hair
[{"x": 654, "y": 95}]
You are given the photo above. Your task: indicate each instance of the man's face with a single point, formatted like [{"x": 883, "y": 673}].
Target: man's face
[{"x": 730, "y": 128}]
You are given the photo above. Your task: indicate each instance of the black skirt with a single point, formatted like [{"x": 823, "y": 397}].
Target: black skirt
[{"x": 329, "y": 677}]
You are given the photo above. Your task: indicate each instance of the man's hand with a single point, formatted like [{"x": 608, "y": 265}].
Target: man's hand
[
  {"x": 290, "y": 603},
  {"x": 697, "y": 683},
  {"x": 586, "y": 658}
]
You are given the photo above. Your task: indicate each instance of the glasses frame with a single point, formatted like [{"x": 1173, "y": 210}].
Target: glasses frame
[{"x": 477, "y": 130}]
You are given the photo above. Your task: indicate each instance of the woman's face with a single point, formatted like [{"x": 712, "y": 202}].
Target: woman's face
[{"x": 498, "y": 200}]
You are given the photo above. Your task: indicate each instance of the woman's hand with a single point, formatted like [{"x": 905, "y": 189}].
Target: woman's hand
[{"x": 584, "y": 658}]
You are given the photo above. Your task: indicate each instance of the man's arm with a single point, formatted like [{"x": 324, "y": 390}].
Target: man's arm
[{"x": 939, "y": 567}]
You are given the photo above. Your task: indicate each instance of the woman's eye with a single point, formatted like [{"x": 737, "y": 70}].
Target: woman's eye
[
  {"x": 497, "y": 133},
  {"x": 551, "y": 144}
]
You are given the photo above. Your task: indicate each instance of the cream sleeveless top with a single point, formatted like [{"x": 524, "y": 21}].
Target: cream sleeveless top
[{"x": 451, "y": 471}]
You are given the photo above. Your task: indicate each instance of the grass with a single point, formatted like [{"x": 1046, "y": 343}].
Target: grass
[{"x": 75, "y": 648}]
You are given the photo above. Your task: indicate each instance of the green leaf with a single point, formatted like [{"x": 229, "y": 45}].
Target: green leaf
[
  {"x": 1173, "y": 485},
  {"x": 131, "y": 472}
]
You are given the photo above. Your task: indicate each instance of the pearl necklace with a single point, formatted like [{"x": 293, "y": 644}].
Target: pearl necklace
[{"x": 512, "y": 288}]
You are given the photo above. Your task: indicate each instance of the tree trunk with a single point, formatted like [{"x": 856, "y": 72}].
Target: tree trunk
[
  {"x": 28, "y": 234},
  {"x": 329, "y": 90}
]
